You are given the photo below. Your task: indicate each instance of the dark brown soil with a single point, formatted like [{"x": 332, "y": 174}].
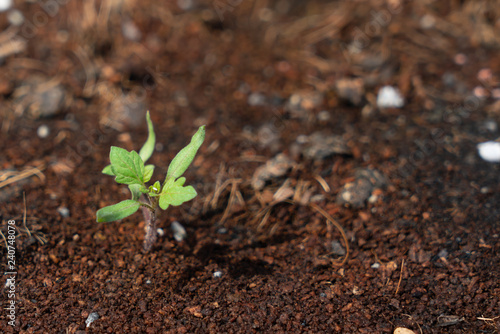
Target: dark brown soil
[{"x": 424, "y": 250}]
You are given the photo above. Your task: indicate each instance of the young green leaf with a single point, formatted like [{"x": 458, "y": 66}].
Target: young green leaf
[
  {"x": 107, "y": 170},
  {"x": 148, "y": 172},
  {"x": 117, "y": 211},
  {"x": 147, "y": 149},
  {"x": 174, "y": 193},
  {"x": 127, "y": 166},
  {"x": 155, "y": 189},
  {"x": 184, "y": 158},
  {"x": 136, "y": 190},
  {"x": 149, "y": 146}
]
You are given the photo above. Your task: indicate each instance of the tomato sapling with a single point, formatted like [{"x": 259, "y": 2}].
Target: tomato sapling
[{"x": 129, "y": 168}]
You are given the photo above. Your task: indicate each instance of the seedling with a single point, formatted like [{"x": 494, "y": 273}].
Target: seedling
[{"x": 129, "y": 168}]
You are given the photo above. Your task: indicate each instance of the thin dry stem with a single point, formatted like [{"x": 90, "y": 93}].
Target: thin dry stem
[
  {"x": 400, "y": 276},
  {"x": 7, "y": 177}
]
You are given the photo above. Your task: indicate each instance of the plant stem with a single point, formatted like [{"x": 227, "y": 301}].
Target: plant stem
[
  {"x": 150, "y": 239},
  {"x": 149, "y": 213}
]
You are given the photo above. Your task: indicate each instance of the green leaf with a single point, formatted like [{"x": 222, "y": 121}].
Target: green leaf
[
  {"x": 117, "y": 211},
  {"x": 136, "y": 190},
  {"x": 148, "y": 172},
  {"x": 155, "y": 189},
  {"x": 107, "y": 170},
  {"x": 174, "y": 193},
  {"x": 149, "y": 146},
  {"x": 184, "y": 158},
  {"x": 127, "y": 166}
]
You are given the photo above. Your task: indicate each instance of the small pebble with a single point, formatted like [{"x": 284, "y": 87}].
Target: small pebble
[
  {"x": 358, "y": 192},
  {"x": 274, "y": 168},
  {"x": 130, "y": 31},
  {"x": 222, "y": 230},
  {"x": 337, "y": 248},
  {"x": 376, "y": 265},
  {"x": 323, "y": 116},
  {"x": 489, "y": 151},
  {"x": 484, "y": 74},
  {"x": 148, "y": 281},
  {"x": 218, "y": 274},
  {"x": 40, "y": 97},
  {"x": 256, "y": 99},
  {"x": 390, "y": 97},
  {"x": 485, "y": 190},
  {"x": 321, "y": 146},
  {"x": 8, "y": 283},
  {"x": 299, "y": 104},
  {"x": 402, "y": 330},
  {"x": 179, "y": 231},
  {"x": 480, "y": 92},
  {"x": 268, "y": 137},
  {"x": 373, "y": 198},
  {"x": 15, "y": 17},
  {"x": 43, "y": 131},
  {"x": 91, "y": 318},
  {"x": 427, "y": 21},
  {"x": 317, "y": 198},
  {"x": 5, "y": 5},
  {"x": 352, "y": 90},
  {"x": 160, "y": 232},
  {"x": 443, "y": 253},
  {"x": 63, "y": 211},
  {"x": 491, "y": 125},
  {"x": 302, "y": 139}
]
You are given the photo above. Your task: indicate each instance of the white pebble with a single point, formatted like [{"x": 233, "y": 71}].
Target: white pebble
[
  {"x": 130, "y": 31},
  {"x": 15, "y": 17},
  {"x": 389, "y": 97},
  {"x": 256, "y": 99},
  {"x": 5, "y": 4},
  {"x": 376, "y": 265},
  {"x": 160, "y": 232},
  {"x": 91, "y": 318},
  {"x": 63, "y": 211},
  {"x": 427, "y": 21},
  {"x": 179, "y": 231},
  {"x": 43, "y": 130},
  {"x": 218, "y": 274},
  {"x": 489, "y": 151},
  {"x": 10, "y": 282}
]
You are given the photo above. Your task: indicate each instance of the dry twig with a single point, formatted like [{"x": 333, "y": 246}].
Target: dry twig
[{"x": 400, "y": 276}]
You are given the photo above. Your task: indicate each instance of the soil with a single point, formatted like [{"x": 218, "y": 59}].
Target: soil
[{"x": 266, "y": 77}]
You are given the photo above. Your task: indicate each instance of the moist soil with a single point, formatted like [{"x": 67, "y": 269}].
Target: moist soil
[{"x": 263, "y": 76}]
